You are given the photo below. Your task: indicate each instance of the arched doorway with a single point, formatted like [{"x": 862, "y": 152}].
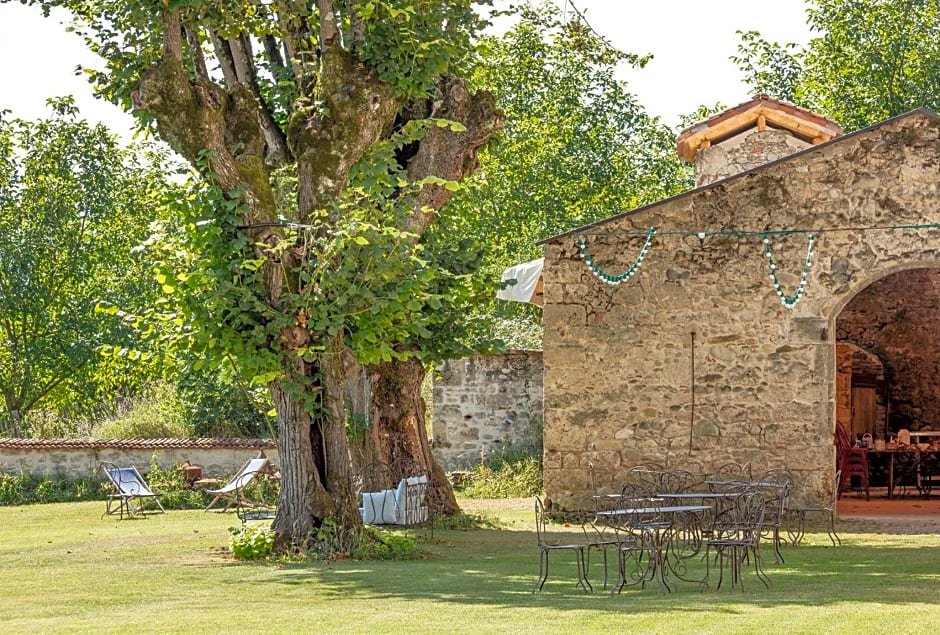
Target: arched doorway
[{"x": 888, "y": 364}]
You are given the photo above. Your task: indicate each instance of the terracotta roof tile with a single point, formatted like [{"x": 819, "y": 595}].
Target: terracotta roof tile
[
  {"x": 759, "y": 111},
  {"x": 138, "y": 444}
]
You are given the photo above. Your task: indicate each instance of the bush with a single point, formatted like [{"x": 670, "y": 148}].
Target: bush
[
  {"x": 251, "y": 543},
  {"x": 513, "y": 474},
  {"x": 26, "y": 489},
  {"x": 170, "y": 483},
  {"x": 384, "y": 544},
  {"x": 158, "y": 413},
  {"x": 466, "y": 522}
]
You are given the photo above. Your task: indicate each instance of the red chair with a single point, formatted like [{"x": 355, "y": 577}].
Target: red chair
[{"x": 854, "y": 462}]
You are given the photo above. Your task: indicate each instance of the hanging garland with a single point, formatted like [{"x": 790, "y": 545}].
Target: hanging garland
[
  {"x": 789, "y": 300},
  {"x": 626, "y": 275}
]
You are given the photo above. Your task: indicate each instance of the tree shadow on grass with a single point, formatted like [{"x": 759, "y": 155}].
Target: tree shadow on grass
[{"x": 498, "y": 568}]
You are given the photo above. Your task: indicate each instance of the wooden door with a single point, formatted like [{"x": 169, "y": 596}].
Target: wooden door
[
  {"x": 844, "y": 387},
  {"x": 864, "y": 410}
]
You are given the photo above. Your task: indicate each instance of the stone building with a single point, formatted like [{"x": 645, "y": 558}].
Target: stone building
[{"x": 798, "y": 281}]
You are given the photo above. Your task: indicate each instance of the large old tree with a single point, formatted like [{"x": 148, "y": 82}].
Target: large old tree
[{"x": 334, "y": 131}]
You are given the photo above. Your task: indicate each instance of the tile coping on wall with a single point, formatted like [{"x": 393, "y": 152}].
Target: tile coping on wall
[{"x": 137, "y": 444}]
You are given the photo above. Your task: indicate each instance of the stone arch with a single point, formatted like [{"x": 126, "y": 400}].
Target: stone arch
[
  {"x": 837, "y": 302},
  {"x": 895, "y": 317},
  {"x": 888, "y": 289}
]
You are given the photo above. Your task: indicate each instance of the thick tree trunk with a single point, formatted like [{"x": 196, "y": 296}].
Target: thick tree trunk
[
  {"x": 314, "y": 455},
  {"x": 294, "y": 518},
  {"x": 397, "y": 434}
]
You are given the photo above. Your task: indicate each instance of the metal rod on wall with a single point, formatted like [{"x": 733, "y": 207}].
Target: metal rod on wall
[{"x": 692, "y": 389}]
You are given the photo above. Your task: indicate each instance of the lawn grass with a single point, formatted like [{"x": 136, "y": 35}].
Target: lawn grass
[{"x": 66, "y": 569}]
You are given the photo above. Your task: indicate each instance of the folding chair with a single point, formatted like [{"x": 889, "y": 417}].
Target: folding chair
[
  {"x": 131, "y": 491},
  {"x": 233, "y": 492}
]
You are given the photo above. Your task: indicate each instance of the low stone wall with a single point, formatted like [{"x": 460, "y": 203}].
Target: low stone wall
[
  {"x": 79, "y": 458},
  {"x": 484, "y": 404}
]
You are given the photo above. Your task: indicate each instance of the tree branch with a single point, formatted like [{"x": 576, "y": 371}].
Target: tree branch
[
  {"x": 451, "y": 155},
  {"x": 329, "y": 33},
  {"x": 276, "y": 152},
  {"x": 357, "y": 27},
  {"x": 275, "y": 59},
  {"x": 195, "y": 50},
  {"x": 172, "y": 35},
  {"x": 223, "y": 52}
]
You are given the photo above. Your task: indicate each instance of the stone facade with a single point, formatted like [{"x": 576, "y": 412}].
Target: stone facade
[
  {"x": 694, "y": 361},
  {"x": 743, "y": 152},
  {"x": 76, "y": 459},
  {"x": 484, "y": 405}
]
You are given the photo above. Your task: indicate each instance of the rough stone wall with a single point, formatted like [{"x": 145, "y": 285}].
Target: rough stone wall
[
  {"x": 619, "y": 371},
  {"x": 75, "y": 461},
  {"x": 896, "y": 319},
  {"x": 486, "y": 404},
  {"x": 742, "y": 152}
]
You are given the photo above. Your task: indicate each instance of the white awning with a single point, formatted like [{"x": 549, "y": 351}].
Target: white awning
[{"x": 528, "y": 282}]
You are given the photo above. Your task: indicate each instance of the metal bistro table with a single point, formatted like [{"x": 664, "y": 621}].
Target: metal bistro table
[
  {"x": 662, "y": 533},
  {"x": 730, "y": 490},
  {"x": 914, "y": 457},
  {"x": 693, "y": 533}
]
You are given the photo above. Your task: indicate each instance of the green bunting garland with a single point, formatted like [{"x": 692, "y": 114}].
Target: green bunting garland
[
  {"x": 789, "y": 300},
  {"x": 626, "y": 275}
]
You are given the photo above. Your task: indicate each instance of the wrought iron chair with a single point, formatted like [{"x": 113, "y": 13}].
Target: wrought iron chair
[
  {"x": 828, "y": 508},
  {"x": 600, "y": 532},
  {"x": 735, "y": 538},
  {"x": 648, "y": 475},
  {"x": 732, "y": 472},
  {"x": 677, "y": 481},
  {"x": 776, "y": 484},
  {"x": 639, "y": 528},
  {"x": 928, "y": 477},
  {"x": 906, "y": 470},
  {"x": 547, "y": 545}
]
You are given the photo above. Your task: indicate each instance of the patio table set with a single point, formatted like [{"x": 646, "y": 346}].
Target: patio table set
[{"x": 663, "y": 525}]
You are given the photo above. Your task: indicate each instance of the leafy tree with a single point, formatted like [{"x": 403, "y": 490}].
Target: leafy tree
[
  {"x": 770, "y": 67},
  {"x": 576, "y": 147},
  {"x": 360, "y": 105},
  {"x": 872, "y": 59},
  {"x": 72, "y": 206}
]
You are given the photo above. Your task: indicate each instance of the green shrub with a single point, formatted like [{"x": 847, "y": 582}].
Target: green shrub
[
  {"x": 513, "y": 474},
  {"x": 170, "y": 483},
  {"x": 157, "y": 413},
  {"x": 250, "y": 542},
  {"x": 466, "y": 522},
  {"x": 26, "y": 489},
  {"x": 385, "y": 544}
]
